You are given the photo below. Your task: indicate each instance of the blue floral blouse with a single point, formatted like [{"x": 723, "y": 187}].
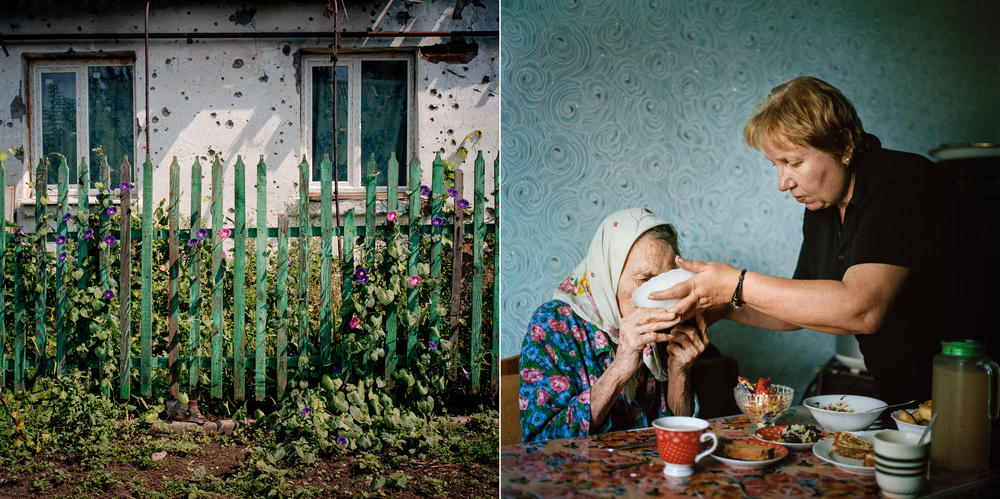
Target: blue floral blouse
[{"x": 562, "y": 356}]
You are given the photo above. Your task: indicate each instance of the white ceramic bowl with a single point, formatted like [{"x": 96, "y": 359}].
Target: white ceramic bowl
[
  {"x": 909, "y": 427},
  {"x": 666, "y": 280},
  {"x": 853, "y": 418}
]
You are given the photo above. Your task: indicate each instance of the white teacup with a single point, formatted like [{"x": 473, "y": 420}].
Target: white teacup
[
  {"x": 679, "y": 439},
  {"x": 900, "y": 464}
]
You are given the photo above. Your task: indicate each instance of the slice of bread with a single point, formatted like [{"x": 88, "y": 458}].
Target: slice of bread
[
  {"x": 739, "y": 449},
  {"x": 850, "y": 446}
]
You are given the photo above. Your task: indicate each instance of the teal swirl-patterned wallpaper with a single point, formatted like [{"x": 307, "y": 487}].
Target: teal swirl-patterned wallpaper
[{"x": 614, "y": 104}]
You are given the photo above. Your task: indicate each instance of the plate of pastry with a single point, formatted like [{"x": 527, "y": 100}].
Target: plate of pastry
[
  {"x": 795, "y": 436},
  {"x": 749, "y": 453},
  {"x": 851, "y": 451}
]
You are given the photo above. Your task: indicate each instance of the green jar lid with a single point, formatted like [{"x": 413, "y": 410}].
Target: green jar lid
[{"x": 966, "y": 348}]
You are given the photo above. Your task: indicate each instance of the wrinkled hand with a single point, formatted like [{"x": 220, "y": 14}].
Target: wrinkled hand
[
  {"x": 642, "y": 327},
  {"x": 712, "y": 285},
  {"x": 688, "y": 341}
]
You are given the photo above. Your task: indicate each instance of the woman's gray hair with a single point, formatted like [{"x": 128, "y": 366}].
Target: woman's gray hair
[{"x": 667, "y": 234}]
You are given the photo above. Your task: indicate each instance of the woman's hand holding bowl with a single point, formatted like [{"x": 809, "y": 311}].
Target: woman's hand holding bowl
[{"x": 712, "y": 285}]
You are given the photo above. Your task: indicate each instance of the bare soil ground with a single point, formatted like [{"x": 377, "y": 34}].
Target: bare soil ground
[{"x": 206, "y": 471}]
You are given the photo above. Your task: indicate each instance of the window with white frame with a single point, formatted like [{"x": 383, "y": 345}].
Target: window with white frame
[
  {"x": 374, "y": 95},
  {"x": 80, "y": 106}
]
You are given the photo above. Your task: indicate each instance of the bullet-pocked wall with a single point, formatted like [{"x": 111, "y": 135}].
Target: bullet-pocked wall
[
  {"x": 612, "y": 104},
  {"x": 233, "y": 97}
]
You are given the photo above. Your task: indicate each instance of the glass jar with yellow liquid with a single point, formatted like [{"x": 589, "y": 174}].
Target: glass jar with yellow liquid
[{"x": 964, "y": 391}]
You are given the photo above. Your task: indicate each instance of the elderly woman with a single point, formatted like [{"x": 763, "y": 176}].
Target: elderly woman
[
  {"x": 889, "y": 249},
  {"x": 592, "y": 361}
]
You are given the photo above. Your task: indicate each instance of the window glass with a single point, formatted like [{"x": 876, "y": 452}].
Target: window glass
[
  {"x": 322, "y": 81},
  {"x": 58, "y": 98},
  {"x": 383, "y": 116},
  {"x": 111, "y": 118}
]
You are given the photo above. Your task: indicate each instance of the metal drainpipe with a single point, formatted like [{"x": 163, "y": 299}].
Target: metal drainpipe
[
  {"x": 33, "y": 37},
  {"x": 146, "y": 64}
]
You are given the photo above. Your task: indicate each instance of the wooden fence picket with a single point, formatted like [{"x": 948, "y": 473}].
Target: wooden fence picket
[
  {"x": 194, "y": 280},
  {"x": 125, "y": 289},
  {"x": 3, "y": 272},
  {"x": 41, "y": 282},
  {"x": 217, "y": 278},
  {"x": 477, "y": 271},
  {"x": 61, "y": 231},
  {"x": 146, "y": 313},
  {"x": 260, "y": 317},
  {"x": 84, "y": 240},
  {"x": 347, "y": 283},
  {"x": 391, "y": 204},
  {"x": 369, "y": 183},
  {"x": 281, "y": 348},
  {"x": 302, "y": 338},
  {"x": 103, "y": 270},
  {"x": 416, "y": 211},
  {"x": 437, "y": 206},
  {"x": 239, "y": 280},
  {"x": 173, "y": 286},
  {"x": 495, "y": 358},
  {"x": 18, "y": 319},
  {"x": 326, "y": 256}
]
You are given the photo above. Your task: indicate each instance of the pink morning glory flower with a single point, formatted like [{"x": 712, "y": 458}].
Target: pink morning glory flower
[{"x": 414, "y": 280}]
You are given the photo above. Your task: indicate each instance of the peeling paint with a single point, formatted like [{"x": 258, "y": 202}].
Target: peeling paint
[
  {"x": 17, "y": 108},
  {"x": 457, "y": 51},
  {"x": 460, "y": 5},
  {"x": 244, "y": 17}
]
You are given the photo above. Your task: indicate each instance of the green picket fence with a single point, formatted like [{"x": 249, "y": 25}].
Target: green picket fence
[{"x": 281, "y": 365}]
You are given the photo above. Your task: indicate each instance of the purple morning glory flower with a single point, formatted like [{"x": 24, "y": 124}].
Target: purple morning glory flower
[
  {"x": 201, "y": 233},
  {"x": 62, "y": 256},
  {"x": 192, "y": 243},
  {"x": 361, "y": 276},
  {"x": 437, "y": 221},
  {"x": 108, "y": 294},
  {"x": 452, "y": 192},
  {"x": 124, "y": 186},
  {"x": 88, "y": 234},
  {"x": 61, "y": 240},
  {"x": 289, "y": 261},
  {"x": 431, "y": 345},
  {"x": 465, "y": 373},
  {"x": 306, "y": 411},
  {"x": 109, "y": 240},
  {"x": 336, "y": 367},
  {"x": 67, "y": 217},
  {"x": 425, "y": 191},
  {"x": 341, "y": 441},
  {"x": 112, "y": 211},
  {"x": 463, "y": 203}
]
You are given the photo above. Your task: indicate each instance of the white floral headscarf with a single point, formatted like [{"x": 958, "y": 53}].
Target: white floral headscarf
[{"x": 591, "y": 289}]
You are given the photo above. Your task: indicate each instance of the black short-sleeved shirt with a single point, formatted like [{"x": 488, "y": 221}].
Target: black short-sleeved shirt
[{"x": 904, "y": 211}]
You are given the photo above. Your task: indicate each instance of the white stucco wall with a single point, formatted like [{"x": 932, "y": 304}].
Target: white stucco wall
[{"x": 196, "y": 90}]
